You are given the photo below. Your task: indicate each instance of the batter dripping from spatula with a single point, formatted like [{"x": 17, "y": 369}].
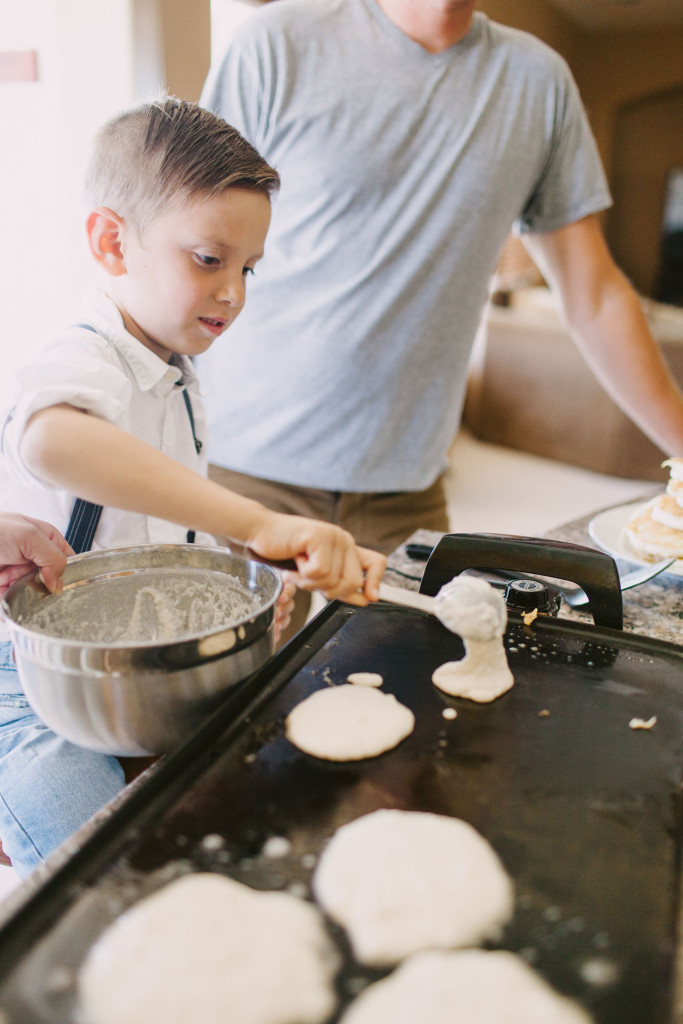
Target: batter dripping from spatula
[{"x": 476, "y": 611}]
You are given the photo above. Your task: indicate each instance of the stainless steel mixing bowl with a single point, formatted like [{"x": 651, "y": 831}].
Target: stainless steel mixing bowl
[{"x": 138, "y": 698}]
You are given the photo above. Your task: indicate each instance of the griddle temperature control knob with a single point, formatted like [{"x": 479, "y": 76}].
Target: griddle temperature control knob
[{"x": 525, "y": 595}]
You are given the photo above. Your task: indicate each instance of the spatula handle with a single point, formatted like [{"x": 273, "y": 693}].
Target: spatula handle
[{"x": 407, "y": 598}]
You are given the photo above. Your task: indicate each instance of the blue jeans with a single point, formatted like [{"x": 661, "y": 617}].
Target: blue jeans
[{"x": 48, "y": 786}]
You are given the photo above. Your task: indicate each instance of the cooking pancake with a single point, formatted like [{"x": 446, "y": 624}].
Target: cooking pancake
[
  {"x": 348, "y": 723},
  {"x": 403, "y": 881},
  {"x": 200, "y": 949},
  {"x": 365, "y": 679},
  {"x": 468, "y": 987}
]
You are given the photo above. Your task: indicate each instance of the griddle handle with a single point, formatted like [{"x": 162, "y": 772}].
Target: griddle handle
[{"x": 595, "y": 572}]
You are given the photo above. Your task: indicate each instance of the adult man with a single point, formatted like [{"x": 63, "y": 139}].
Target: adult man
[{"x": 410, "y": 135}]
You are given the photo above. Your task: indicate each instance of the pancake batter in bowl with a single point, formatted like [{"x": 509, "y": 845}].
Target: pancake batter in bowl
[{"x": 158, "y": 605}]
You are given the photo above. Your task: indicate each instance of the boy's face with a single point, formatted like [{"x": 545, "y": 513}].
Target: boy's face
[{"x": 185, "y": 278}]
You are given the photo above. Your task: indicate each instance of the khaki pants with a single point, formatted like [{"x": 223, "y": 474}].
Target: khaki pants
[{"x": 378, "y": 521}]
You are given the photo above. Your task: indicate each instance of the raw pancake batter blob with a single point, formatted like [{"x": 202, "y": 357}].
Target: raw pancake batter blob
[
  {"x": 468, "y": 987},
  {"x": 348, "y": 723},
  {"x": 365, "y": 678},
  {"x": 206, "y": 948},
  {"x": 405, "y": 881},
  {"x": 476, "y": 611}
]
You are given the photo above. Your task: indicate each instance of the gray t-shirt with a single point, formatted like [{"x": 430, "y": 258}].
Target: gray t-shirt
[{"x": 402, "y": 174}]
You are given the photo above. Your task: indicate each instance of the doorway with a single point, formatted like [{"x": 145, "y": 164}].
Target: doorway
[{"x": 648, "y": 149}]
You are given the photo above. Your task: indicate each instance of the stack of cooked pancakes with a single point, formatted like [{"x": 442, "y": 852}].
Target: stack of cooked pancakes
[{"x": 655, "y": 530}]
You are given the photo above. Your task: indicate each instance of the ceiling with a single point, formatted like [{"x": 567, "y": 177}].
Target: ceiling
[{"x": 619, "y": 14}]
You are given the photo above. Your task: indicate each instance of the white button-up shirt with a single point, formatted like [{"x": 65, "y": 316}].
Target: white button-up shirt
[{"x": 112, "y": 375}]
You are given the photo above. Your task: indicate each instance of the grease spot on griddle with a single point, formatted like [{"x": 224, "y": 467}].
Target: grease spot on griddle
[
  {"x": 212, "y": 841},
  {"x": 600, "y": 972},
  {"x": 276, "y": 847}
]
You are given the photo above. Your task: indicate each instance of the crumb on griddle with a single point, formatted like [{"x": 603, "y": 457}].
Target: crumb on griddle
[{"x": 642, "y": 723}]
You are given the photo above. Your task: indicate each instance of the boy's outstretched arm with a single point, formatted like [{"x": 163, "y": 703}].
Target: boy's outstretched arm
[{"x": 99, "y": 462}]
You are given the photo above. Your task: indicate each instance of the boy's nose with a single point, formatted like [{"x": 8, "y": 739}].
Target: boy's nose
[{"x": 232, "y": 291}]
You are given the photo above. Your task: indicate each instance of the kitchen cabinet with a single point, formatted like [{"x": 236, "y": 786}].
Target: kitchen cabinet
[{"x": 531, "y": 389}]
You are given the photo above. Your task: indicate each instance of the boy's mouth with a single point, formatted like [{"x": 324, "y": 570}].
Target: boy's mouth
[{"x": 214, "y": 325}]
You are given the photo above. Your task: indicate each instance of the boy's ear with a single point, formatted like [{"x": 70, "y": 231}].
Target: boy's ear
[{"x": 105, "y": 231}]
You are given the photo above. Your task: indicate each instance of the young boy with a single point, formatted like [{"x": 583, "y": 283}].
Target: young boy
[{"x": 110, "y": 414}]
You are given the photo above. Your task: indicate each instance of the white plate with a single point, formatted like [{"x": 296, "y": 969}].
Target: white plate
[{"x": 606, "y": 530}]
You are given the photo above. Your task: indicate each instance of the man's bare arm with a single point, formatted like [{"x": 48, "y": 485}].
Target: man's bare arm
[{"x": 606, "y": 321}]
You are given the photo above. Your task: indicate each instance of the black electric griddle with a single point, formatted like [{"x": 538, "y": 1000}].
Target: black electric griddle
[{"x": 584, "y": 811}]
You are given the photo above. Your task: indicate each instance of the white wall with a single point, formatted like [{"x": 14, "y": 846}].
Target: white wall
[
  {"x": 84, "y": 76},
  {"x": 226, "y": 16},
  {"x": 89, "y": 67}
]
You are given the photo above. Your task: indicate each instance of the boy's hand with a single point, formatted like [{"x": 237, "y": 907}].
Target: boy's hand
[
  {"x": 327, "y": 558},
  {"x": 284, "y": 606}
]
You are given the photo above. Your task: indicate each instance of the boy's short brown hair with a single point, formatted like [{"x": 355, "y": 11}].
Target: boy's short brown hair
[{"x": 170, "y": 150}]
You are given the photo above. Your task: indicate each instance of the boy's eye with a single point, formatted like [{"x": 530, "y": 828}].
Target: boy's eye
[
  {"x": 247, "y": 270},
  {"x": 207, "y": 261}
]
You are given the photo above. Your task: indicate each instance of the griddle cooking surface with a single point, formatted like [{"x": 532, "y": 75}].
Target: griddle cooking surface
[{"x": 583, "y": 810}]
